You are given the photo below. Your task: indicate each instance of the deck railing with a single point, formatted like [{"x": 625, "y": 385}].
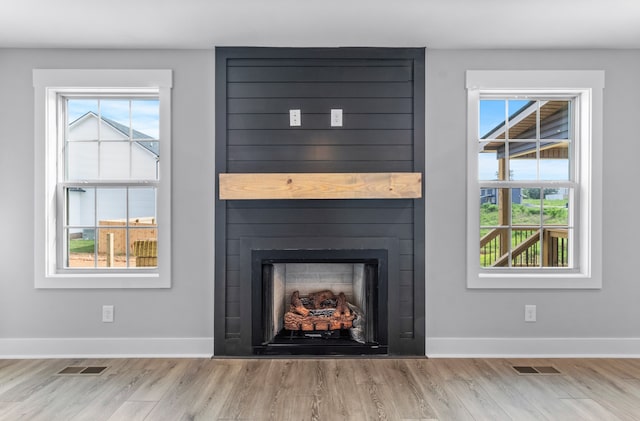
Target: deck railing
[{"x": 525, "y": 248}]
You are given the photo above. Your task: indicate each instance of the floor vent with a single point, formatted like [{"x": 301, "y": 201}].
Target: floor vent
[
  {"x": 528, "y": 370},
  {"x": 95, "y": 371}
]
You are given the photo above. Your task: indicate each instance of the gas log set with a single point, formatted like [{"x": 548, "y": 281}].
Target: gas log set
[{"x": 319, "y": 311}]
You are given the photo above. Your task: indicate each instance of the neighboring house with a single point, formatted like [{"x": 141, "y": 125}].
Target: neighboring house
[
  {"x": 490, "y": 195},
  {"x": 143, "y": 164}
]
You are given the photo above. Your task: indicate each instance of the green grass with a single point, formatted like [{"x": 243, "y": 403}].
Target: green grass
[
  {"x": 81, "y": 246},
  {"x": 527, "y": 213},
  {"x": 547, "y": 202}
]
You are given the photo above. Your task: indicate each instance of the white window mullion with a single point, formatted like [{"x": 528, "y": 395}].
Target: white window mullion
[
  {"x": 99, "y": 141},
  {"x": 127, "y": 227},
  {"x": 96, "y": 233},
  {"x": 538, "y": 157}
]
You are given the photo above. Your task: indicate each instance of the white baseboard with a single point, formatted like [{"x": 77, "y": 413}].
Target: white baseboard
[
  {"x": 533, "y": 347},
  {"x": 11, "y": 348}
]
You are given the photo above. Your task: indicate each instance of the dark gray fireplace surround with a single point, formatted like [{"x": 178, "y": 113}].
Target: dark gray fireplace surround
[{"x": 381, "y": 93}]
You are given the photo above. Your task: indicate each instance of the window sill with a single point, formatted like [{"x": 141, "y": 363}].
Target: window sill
[
  {"x": 534, "y": 281},
  {"x": 103, "y": 281}
]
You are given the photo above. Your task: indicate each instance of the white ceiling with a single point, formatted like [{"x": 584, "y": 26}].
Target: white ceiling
[{"x": 322, "y": 23}]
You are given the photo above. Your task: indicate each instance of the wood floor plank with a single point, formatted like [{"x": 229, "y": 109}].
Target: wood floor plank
[
  {"x": 405, "y": 393},
  {"x": 603, "y": 387},
  {"x": 418, "y": 419},
  {"x": 588, "y": 410},
  {"x": 320, "y": 389},
  {"x": 6, "y": 407},
  {"x": 444, "y": 402},
  {"x": 632, "y": 386},
  {"x": 57, "y": 398},
  {"x": 110, "y": 390},
  {"x": 133, "y": 411},
  {"x": 209, "y": 399},
  {"x": 539, "y": 390},
  {"x": 464, "y": 384},
  {"x": 248, "y": 392},
  {"x": 630, "y": 365},
  {"x": 341, "y": 381},
  {"x": 477, "y": 400},
  {"x": 300, "y": 408},
  {"x": 260, "y": 390},
  {"x": 559, "y": 386},
  {"x": 373, "y": 407},
  {"x": 21, "y": 380},
  {"x": 499, "y": 387},
  {"x": 620, "y": 369},
  {"x": 160, "y": 378},
  {"x": 326, "y": 396},
  {"x": 281, "y": 390},
  {"x": 197, "y": 378}
]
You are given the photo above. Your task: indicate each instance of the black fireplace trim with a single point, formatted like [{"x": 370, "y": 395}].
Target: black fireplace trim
[
  {"x": 260, "y": 258},
  {"x": 351, "y": 247}
]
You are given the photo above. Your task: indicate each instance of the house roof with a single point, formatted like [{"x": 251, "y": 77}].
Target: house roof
[
  {"x": 523, "y": 126},
  {"x": 498, "y": 131},
  {"x": 142, "y": 139},
  {"x": 527, "y": 119}
]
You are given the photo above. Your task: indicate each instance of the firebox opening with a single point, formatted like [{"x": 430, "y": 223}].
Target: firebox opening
[
  {"x": 318, "y": 287},
  {"x": 321, "y": 308}
]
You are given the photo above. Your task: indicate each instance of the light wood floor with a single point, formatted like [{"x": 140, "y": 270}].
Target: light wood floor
[{"x": 320, "y": 389}]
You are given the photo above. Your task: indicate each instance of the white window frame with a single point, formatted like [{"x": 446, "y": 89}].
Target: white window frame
[
  {"x": 49, "y": 85},
  {"x": 587, "y": 86}
]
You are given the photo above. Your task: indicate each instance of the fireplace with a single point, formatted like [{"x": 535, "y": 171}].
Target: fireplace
[
  {"x": 319, "y": 302},
  {"x": 334, "y": 198},
  {"x": 366, "y": 270}
]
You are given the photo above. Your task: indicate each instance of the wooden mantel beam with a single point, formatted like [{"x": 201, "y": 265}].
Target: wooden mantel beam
[{"x": 388, "y": 185}]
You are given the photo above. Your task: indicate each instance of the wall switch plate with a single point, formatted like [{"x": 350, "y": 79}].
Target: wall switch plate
[
  {"x": 294, "y": 118},
  {"x": 107, "y": 314},
  {"x": 336, "y": 118},
  {"x": 530, "y": 313}
]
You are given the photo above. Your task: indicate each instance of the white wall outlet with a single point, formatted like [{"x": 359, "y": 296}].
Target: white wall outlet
[
  {"x": 530, "y": 313},
  {"x": 294, "y": 118},
  {"x": 336, "y": 118},
  {"x": 107, "y": 314}
]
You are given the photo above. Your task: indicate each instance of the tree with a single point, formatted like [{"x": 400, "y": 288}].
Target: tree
[{"x": 535, "y": 193}]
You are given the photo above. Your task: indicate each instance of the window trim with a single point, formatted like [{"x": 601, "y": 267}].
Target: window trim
[
  {"x": 48, "y": 85},
  {"x": 587, "y": 86}
]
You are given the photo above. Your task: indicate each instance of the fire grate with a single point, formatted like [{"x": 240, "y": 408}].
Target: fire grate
[
  {"x": 530, "y": 370},
  {"x": 77, "y": 370}
]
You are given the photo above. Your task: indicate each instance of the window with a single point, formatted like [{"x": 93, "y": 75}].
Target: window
[
  {"x": 534, "y": 181},
  {"x": 102, "y": 178}
]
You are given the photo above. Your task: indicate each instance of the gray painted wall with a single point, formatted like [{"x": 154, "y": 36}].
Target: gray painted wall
[
  {"x": 454, "y": 311},
  {"x": 186, "y": 310}
]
